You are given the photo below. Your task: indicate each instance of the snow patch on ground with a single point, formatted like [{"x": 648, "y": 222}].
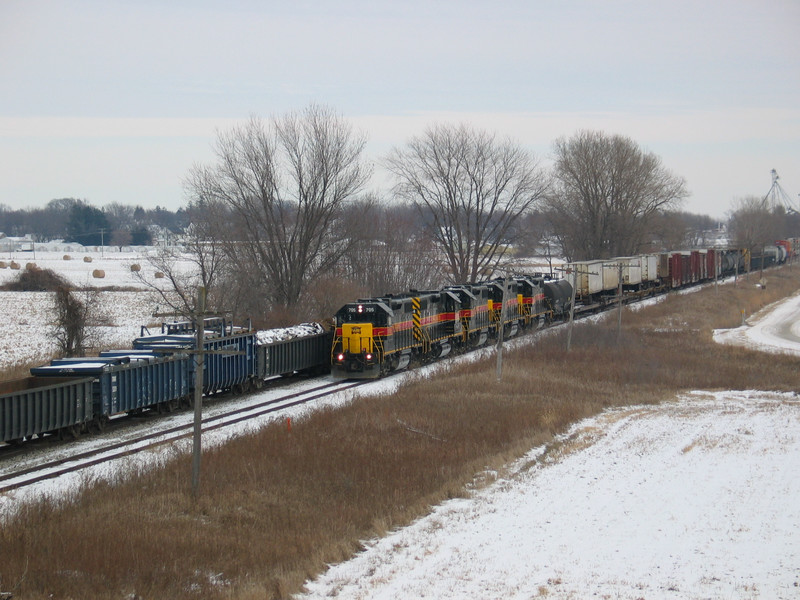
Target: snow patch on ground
[
  {"x": 694, "y": 498},
  {"x": 775, "y": 329}
]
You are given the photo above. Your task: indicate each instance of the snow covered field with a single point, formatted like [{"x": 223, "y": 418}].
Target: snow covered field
[
  {"x": 115, "y": 265},
  {"x": 28, "y": 328},
  {"x": 692, "y": 499},
  {"x": 28, "y": 316}
]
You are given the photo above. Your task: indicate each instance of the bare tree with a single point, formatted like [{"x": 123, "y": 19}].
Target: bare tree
[
  {"x": 607, "y": 192},
  {"x": 73, "y": 318},
  {"x": 754, "y": 224},
  {"x": 394, "y": 254},
  {"x": 75, "y": 313},
  {"x": 198, "y": 261},
  {"x": 285, "y": 183},
  {"x": 472, "y": 188}
]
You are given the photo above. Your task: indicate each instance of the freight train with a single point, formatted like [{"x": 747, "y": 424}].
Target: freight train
[
  {"x": 375, "y": 336},
  {"x": 371, "y": 338}
]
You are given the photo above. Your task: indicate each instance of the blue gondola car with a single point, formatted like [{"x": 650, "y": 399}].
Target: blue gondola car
[
  {"x": 121, "y": 385},
  {"x": 35, "y": 406},
  {"x": 230, "y": 362}
]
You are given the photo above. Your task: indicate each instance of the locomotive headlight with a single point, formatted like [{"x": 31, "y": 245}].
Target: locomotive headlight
[
  {"x": 360, "y": 308},
  {"x": 369, "y": 356},
  {"x": 340, "y": 357}
]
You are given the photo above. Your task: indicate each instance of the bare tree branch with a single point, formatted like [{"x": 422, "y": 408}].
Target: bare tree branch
[
  {"x": 285, "y": 183},
  {"x": 606, "y": 195},
  {"x": 473, "y": 188}
]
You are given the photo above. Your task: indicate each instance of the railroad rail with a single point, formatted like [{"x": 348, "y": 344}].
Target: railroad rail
[{"x": 76, "y": 462}]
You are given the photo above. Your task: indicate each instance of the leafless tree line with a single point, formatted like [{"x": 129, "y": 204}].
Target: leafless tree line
[{"x": 283, "y": 223}]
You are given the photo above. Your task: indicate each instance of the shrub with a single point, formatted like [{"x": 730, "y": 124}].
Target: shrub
[{"x": 36, "y": 280}]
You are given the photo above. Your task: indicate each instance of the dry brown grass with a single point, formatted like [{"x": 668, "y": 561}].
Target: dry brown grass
[{"x": 278, "y": 506}]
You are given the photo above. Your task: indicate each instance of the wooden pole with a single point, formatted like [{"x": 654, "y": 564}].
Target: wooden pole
[
  {"x": 619, "y": 301},
  {"x": 572, "y": 306},
  {"x": 198, "y": 391},
  {"x": 500, "y": 332}
]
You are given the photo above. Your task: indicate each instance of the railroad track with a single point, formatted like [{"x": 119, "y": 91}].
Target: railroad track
[{"x": 113, "y": 451}]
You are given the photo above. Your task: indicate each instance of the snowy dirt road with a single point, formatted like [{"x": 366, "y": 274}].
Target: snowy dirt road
[
  {"x": 773, "y": 330},
  {"x": 696, "y": 498}
]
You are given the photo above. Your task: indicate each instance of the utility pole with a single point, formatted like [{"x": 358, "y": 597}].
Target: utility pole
[
  {"x": 572, "y": 306},
  {"x": 619, "y": 301},
  {"x": 198, "y": 391},
  {"x": 500, "y": 331},
  {"x": 198, "y": 315}
]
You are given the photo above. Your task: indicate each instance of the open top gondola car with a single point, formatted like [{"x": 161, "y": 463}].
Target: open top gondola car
[
  {"x": 34, "y": 406},
  {"x": 309, "y": 354},
  {"x": 124, "y": 385},
  {"x": 230, "y": 361}
]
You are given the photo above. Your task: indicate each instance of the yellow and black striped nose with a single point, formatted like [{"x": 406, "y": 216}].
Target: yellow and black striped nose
[{"x": 417, "y": 319}]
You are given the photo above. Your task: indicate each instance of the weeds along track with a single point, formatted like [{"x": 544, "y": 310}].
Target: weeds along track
[{"x": 51, "y": 469}]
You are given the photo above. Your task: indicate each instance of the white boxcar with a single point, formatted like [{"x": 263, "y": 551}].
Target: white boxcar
[
  {"x": 649, "y": 267},
  {"x": 592, "y": 276},
  {"x": 610, "y": 275},
  {"x": 631, "y": 269}
]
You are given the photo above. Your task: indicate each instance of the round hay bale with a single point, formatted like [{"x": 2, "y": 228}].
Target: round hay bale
[
  {"x": 98, "y": 273},
  {"x": 136, "y": 268},
  {"x": 31, "y": 266},
  {"x": 159, "y": 275},
  {"x": 87, "y": 259},
  {"x": 3, "y": 264},
  {"x": 67, "y": 257},
  {"x": 14, "y": 265}
]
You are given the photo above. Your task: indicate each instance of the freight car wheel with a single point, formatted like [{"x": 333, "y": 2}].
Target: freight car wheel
[
  {"x": 71, "y": 431},
  {"x": 99, "y": 423}
]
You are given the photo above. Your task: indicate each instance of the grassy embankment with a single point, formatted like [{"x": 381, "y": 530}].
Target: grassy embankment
[{"x": 278, "y": 506}]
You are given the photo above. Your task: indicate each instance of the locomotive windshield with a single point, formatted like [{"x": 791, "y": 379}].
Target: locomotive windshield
[{"x": 363, "y": 313}]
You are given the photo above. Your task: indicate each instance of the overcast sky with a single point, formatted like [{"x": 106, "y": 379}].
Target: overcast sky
[{"x": 114, "y": 100}]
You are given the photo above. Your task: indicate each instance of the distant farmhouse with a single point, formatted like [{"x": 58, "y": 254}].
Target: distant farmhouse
[{"x": 15, "y": 244}]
